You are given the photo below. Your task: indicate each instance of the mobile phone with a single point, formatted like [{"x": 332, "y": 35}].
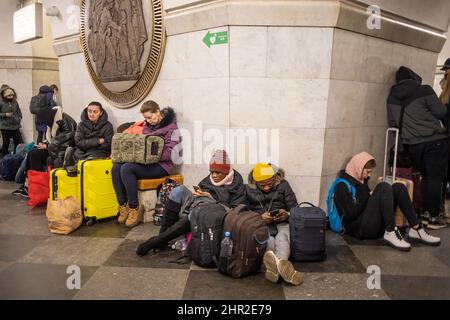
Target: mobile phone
[
  {"x": 273, "y": 213},
  {"x": 196, "y": 188}
]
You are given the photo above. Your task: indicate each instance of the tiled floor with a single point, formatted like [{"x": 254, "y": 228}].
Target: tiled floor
[{"x": 34, "y": 262}]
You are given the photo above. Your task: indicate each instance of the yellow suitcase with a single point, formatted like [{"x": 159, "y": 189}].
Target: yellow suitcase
[
  {"x": 96, "y": 192},
  {"x": 62, "y": 185}
]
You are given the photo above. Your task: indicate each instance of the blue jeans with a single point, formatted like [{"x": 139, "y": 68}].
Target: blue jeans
[
  {"x": 125, "y": 178},
  {"x": 22, "y": 172}
]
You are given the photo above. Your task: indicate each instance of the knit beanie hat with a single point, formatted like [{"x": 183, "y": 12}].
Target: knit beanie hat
[
  {"x": 262, "y": 171},
  {"x": 220, "y": 162}
]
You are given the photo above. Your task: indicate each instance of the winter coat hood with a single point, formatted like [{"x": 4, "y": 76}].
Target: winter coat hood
[
  {"x": 3, "y": 89},
  {"x": 101, "y": 121},
  {"x": 407, "y": 83}
]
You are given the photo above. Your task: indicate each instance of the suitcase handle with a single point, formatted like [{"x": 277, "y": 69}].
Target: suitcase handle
[{"x": 305, "y": 202}]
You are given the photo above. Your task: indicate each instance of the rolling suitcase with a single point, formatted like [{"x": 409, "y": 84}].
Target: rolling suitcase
[
  {"x": 62, "y": 185},
  {"x": 95, "y": 190},
  {"x": 307, "y": 227},
  {"x": 400, "y": 220}
]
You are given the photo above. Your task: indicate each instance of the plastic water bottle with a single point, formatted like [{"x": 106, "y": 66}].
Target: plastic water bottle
[
  {"x": 226, "y": 248},
  {"x": 180, "y": 245}
]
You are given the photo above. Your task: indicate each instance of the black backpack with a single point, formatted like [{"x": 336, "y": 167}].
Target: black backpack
[
  {"x": 307, "y": 227},
  {"x": 206, "y": 217},
  {"x": 9, "y": 166},
  {"x": 37, "y": 103}
]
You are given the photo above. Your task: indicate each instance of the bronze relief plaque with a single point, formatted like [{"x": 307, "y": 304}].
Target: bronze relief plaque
[{"x": 123, "y": 43}]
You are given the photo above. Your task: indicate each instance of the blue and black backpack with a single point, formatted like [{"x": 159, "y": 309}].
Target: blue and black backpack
[{"x": 333, "y": 215}]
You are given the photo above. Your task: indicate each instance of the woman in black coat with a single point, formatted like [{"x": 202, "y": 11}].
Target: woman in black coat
[{"x": 94, "y": 133}]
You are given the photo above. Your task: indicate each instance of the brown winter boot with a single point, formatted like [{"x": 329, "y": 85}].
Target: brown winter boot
[
  {"x": 288, "y": 272},
  {"x": 133, "y": 218},
  {"x": 123, "y": 214}
]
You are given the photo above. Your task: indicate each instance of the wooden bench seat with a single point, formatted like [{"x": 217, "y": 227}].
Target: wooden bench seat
[{"x": 153, "y": 184}]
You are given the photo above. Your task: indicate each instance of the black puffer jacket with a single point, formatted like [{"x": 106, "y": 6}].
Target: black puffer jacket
[
  {"x": 351, "y": 209},
  {"x": 60, "y": 135},
  {"x": 280, "y": 197},
  {"x": 87, "y": 137},
  {"x": 423, "y": 112},
  {"x": 231, "y": 195}
]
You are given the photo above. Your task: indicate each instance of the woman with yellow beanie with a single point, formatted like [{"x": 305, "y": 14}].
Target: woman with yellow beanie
[{"x": 269, "y": 194}]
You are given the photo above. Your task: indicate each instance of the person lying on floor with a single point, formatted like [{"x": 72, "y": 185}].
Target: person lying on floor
[
  {"x": 372, "y": 214},
  {"x": 223, "y": 184},
  {"x": 59, "y": 136},
  {"x": 269, "y": 194}
]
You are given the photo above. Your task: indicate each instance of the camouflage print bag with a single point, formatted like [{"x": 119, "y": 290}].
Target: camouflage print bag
[{"x": 136, "y": 148}]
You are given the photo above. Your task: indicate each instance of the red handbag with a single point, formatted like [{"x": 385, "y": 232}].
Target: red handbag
[{"x": 38, "y": 187}]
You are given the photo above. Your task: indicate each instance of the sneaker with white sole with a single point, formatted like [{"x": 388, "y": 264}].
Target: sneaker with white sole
[
  {"x": 421, "y": 235},
  {"x": 288, "y": 272},
  {"x": 395, "y": 240},
  {"x": 436, "y": 223},
  {"x": 270, "y": 262},
  {"x": 425, "y": 217}
]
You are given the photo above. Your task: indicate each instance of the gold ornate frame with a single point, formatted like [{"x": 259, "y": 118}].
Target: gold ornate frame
[{"x": 146, "y": 81}]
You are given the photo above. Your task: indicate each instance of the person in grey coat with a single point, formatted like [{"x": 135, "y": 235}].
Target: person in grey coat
[
  {"x": 10, "y": 118},
  {"x": 423, "y": 135}
]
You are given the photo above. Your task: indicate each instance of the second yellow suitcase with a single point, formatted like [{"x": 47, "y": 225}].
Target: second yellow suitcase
[
  {"x": 62, "y": 185},
  {"x": 95, "y": 189}
]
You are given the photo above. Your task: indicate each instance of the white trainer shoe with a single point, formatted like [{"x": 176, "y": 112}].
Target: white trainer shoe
[
  {"x": 421, "y": 235},
  {"x": 395, "y": 240}
]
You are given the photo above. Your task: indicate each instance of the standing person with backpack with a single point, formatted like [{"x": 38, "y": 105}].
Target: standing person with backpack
[
  {"x": 371, "y": 214},
  {"x": 269, "y": 194},
  {"x": 423, "y": 135},
  {"x": 10, "y": 118},
  {"x": 42, "y": 101},
  {"x": 223, "y": 184}
]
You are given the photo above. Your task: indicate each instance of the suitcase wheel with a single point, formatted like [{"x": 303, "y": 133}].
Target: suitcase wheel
[{"x": 90, "y": 221}]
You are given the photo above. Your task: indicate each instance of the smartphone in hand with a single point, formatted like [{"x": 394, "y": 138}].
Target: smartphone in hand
[
  {"x": 273, "y": 213},
  {"x": 197, "y": 188}
]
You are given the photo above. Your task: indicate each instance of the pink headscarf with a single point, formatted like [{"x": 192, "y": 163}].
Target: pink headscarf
[{"x": 356, "y": 165}]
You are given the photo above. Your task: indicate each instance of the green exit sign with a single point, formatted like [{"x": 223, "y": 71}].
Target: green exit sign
[{"x": 215, "y": 38}]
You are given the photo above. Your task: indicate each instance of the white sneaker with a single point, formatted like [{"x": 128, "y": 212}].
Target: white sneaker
[
  {"x": 423, "y": 236},
  {"x": 395, "y": 240}
]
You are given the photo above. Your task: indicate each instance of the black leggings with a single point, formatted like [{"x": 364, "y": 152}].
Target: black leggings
[
  {"x": 379, "y": 215},
  {"x": 6, "y": 136}
]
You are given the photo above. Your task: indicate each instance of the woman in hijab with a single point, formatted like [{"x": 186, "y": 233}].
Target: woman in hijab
[{"x": 371, "y": 214}]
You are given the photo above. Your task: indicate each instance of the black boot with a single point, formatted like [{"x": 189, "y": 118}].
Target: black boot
[
  {"x": 170, "y": 215},
  {"x": 177, "y": 229}
]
